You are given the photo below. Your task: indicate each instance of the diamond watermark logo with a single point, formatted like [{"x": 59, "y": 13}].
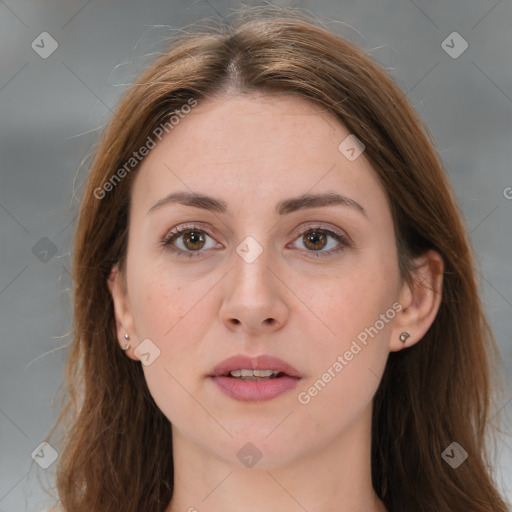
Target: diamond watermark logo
[
  {"x": 454, "y": 455},
  {"x": 45, "y": 455},
  {"x": 351, "y": 147},
  {"x": 249, "y": 455},
  {"x": 44, "y": 45},
  {"x": 44, "y": 249},
  {"x": 147, "y": 352},
  {"x": 454, "y": 45},
  {"x": 249, "y": 249}
]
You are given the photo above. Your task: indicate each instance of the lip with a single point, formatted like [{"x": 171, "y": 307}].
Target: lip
[{"x": 255, "y": 391}]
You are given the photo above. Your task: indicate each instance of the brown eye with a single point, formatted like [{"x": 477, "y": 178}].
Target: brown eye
[
  {"x": 188, "y": 241},
  {"x": 315, "y": 240},
  {"x": 193, "y": 240}
]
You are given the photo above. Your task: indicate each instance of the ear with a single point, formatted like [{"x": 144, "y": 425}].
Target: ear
[
  {"x": 420, "y": 301},
  {"x": 123, "y": 316}
]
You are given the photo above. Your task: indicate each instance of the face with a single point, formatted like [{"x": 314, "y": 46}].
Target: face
[{"x": 310, "y": 283}]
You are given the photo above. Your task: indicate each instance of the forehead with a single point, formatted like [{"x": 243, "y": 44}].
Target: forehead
[{"x": 262, "y": 147}]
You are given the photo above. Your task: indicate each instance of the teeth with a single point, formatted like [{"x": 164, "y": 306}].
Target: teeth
[{"x": 253, "y": 373}]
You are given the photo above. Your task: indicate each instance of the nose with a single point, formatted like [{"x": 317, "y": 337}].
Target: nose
[{"x": 254, "y": 296}]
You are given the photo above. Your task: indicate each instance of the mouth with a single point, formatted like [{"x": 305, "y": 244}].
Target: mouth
[{"x": 254, "y": 379}]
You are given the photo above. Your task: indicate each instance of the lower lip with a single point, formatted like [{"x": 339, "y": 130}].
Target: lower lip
[{"x": 255, "y": 390}]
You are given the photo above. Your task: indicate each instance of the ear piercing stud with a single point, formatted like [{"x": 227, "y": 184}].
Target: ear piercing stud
[
  {"x": 127, "y": 346},
  {"x": 404, "y": 336}
]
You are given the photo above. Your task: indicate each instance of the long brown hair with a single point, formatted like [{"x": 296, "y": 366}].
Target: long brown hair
[{"x": 116, "y": 451}]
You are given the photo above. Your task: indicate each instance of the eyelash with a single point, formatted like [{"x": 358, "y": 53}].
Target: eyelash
[{"x": 177, "y": 232}]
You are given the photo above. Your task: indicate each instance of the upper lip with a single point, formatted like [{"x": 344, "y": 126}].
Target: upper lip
[{"x": 262, "y": 362}]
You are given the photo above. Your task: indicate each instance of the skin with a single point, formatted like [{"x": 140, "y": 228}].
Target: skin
[{"x": 253, "y": 151}]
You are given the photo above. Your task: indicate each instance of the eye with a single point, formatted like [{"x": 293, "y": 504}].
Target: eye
[
  {"x": 316, "y": 238},
  {"x": 193, "y": 240}
]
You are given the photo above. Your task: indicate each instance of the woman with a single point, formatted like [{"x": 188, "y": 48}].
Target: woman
[{"x": 275, "y": 299}]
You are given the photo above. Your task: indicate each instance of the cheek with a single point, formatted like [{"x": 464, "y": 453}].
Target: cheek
[
  {"x": 350, "y": 354},
  {"x": 160, "y": 300},
  {"x": 172, "y": 312},
  {"x": 164, "y": 312},
  {"x": 347, "y": 366},
  {"x": 356, "y": 296}
]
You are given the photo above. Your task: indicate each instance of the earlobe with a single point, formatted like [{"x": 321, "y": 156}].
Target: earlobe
[{"x": 420, "y": 301}]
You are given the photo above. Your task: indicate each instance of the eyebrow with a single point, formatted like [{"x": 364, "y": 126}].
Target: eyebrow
[{"x": 282, "y": 208}]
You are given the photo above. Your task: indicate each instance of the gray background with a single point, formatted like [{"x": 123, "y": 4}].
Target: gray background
[{"x": 51, "y": 110}]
